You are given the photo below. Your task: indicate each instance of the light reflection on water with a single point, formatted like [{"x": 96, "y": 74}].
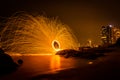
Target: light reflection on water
[
  {"x": 45, "y": 63},
  {"x": 35, "y": 65},
  {"x": 55, "y": 63}
]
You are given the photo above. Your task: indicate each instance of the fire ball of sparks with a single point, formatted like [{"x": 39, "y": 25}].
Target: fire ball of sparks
[
  {"x": 24, "y": 33},
  {"x": 56, "y": 45}
]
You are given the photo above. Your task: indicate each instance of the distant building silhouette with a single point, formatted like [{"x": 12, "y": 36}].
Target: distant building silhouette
[{"x": 109, "y": 34}]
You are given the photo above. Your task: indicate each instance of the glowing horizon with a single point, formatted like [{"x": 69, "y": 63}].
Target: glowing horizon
[{"x": 25, "y": 33}]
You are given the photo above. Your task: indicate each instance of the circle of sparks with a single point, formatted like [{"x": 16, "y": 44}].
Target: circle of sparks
[{"x": 56, "y": 45}]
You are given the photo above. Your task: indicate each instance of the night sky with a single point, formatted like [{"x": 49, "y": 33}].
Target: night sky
[{"x": 85, "y": 17}]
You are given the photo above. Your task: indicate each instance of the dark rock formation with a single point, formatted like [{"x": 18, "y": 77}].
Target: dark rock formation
[
  {"x": 117, "y": 42},
  {"x": 7, "y": 64}
]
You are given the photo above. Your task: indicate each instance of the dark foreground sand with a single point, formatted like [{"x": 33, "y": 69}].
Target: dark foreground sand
[
  {"x": 107, "y": 68},
  {"x": 103, "y": 68}
]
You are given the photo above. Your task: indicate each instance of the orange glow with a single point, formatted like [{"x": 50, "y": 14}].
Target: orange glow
[
  {"x": 25, "y": 33},
  {"x": 18, "y": 54},
  {"x": 55, "y": 63},
  {"x": 90, "y": 62}
]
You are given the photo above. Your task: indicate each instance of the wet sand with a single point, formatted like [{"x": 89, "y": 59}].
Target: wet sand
[
  {"x": 59, "y": 68},
  {"x": 104, "y": 68}
]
